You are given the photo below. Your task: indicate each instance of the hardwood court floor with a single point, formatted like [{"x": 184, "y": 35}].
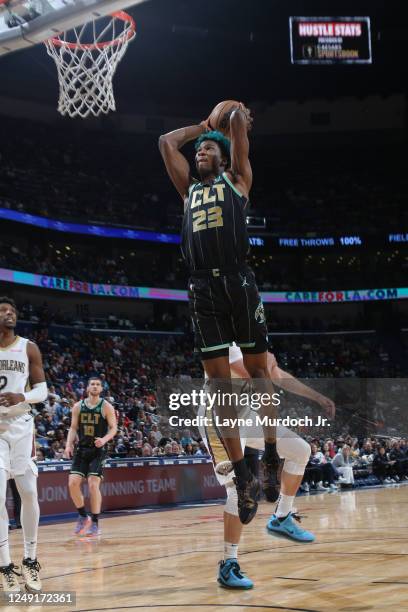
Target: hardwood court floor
[{"x": 167, "y": 560}]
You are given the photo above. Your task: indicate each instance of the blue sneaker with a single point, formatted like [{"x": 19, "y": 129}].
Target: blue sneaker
[
  {"x": 94, "y": 530},
  {"x": 289, "y": 528},
  {"x": 231, "y": 577},
  {"x": 83, "y": 524}
]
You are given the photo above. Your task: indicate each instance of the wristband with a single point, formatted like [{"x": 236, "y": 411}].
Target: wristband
[{"x": 37, "y": 394}]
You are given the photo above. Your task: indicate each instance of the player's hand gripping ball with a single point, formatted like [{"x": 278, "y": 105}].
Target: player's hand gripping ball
[{"x": 219, "y": 118}]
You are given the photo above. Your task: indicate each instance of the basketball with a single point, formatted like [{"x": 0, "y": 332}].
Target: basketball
[
  {"x": 219, "y": 118},
  {"x": 154, "y": 250}
]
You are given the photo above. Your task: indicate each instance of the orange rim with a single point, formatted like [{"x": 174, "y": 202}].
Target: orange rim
[{"x": 108, "y": 43}]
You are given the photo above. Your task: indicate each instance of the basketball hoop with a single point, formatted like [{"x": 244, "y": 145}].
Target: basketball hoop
[{"x": 86, "y": 59}]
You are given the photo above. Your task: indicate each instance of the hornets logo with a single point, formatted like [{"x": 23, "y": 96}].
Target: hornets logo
[{"x": 260, "y": 314}]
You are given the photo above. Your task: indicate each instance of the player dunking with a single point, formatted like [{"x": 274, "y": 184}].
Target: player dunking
[
  {"x": 20, "y": 366},
  {"x": 223, "y": 297},
  {"x": 93, "y": 420}
]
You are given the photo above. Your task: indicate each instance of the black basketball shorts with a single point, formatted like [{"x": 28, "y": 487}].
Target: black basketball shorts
[
  {"x": 227, "y": 308},
  {"x": 88, "y": 462}
]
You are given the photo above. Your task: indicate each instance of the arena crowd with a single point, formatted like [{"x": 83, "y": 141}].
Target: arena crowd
[
  {"x": 131, "y": 367},
  {"x": 70, "y": 182}
]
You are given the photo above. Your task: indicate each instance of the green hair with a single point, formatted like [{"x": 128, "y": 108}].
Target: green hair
[{"x": 220, "y": 139}]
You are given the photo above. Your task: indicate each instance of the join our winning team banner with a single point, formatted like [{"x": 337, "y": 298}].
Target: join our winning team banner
[{"x": 55, "y": 283}]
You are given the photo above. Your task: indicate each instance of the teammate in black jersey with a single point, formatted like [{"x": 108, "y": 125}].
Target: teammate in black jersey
[
  {"x": 223, "y": 297},
  {"x": 93, "y": 421}
]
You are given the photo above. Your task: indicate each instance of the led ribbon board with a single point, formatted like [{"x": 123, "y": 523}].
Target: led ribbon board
[
  {"x": 180, "y": 295},
  {"x": 101, "y": 231}
]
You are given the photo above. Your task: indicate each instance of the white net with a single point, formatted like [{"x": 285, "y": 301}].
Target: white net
[{"x": 86, "y": 59}]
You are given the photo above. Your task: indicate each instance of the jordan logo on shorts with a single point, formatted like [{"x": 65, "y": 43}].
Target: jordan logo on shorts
[{"x": 245, "y": 282}]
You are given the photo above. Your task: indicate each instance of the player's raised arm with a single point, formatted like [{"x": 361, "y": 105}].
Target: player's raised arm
[
  {"x": 240, "y": 123},
  {"x": 292, "y": 384},
  {"x": 176, "y": 164},
  {"x": 110, "y": 416},
  {"x": 72, "y": 433},
  {"x": 287, "y": 382}
]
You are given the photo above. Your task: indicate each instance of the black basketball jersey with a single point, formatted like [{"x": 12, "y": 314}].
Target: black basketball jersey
[
  {"x": 214, "y": 233},
  {"x": 92, "y": 424}
]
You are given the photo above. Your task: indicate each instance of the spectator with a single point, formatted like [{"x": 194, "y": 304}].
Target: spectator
[
  {"x": 147, "y": 450},
  {"x": 317, "y": 471},
  {"x": 64, "y": 408},
  {"x": 175, "y": 449},
  {"x": 168, "y": 450},
  {"x": 401, "y": 461},
  {"x": 383, "y": 468},
  {"x": 366, "y": 453},
  {"x": 186, "y": 438},
  {"x": 343, "y": 463},
  {"x": 327, "y": 452},
  {"x": 202, "y": 449},
  {"x": 155, "y": 433}
]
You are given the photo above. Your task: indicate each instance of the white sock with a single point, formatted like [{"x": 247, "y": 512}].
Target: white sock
[
  {"x": 230, "y": 551},
  {"x": 4, "y": 522},
  {"x": 4, "y": 543},
  {"x": 285, "y": 505},
  {"x": 30, "y": 549},
  {"x": 30, "y": 512}
]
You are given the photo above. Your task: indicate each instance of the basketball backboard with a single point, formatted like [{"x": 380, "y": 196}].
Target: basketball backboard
[{"x": 28, "y": 22}]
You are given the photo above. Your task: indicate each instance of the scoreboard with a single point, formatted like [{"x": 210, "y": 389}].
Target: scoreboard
[{"x": 330, "y": 40}]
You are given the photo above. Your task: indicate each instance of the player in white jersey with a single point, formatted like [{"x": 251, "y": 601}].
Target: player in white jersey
[
  {"x": 290, "y": 447},
  {"x": 20, "y": 367}
]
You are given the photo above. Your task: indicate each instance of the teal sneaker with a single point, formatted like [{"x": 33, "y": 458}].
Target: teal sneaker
[
  {"x": 289, "y": 528},
  {"x": 231, "y": 577}
]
